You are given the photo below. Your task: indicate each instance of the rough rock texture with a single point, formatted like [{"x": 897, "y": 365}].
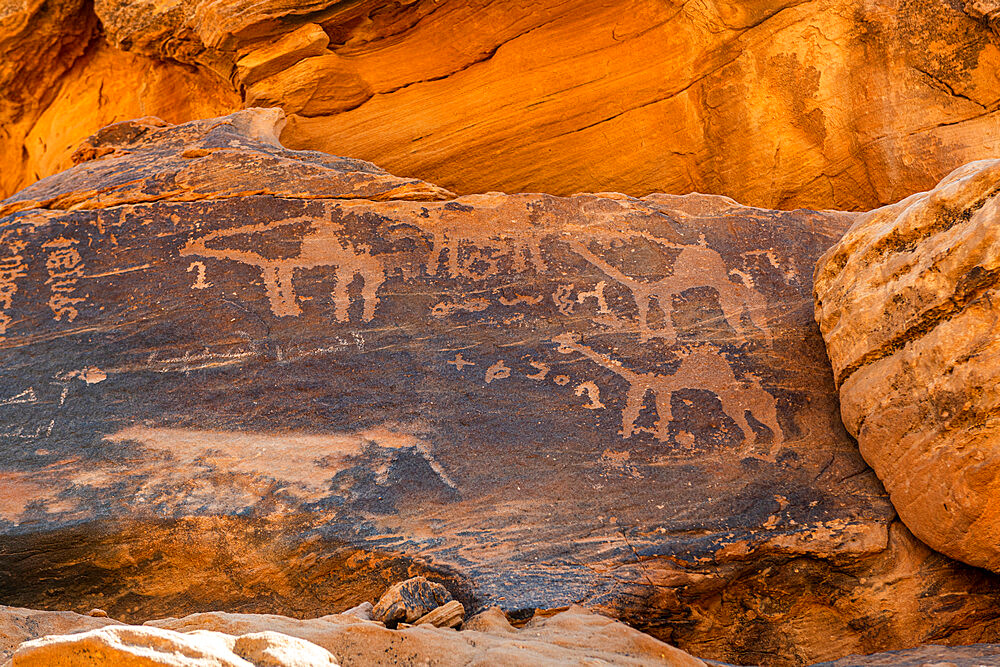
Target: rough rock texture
[
  {"x": 906, "y": 304},
  {"x": 133, "y": 646},
  {"x": 974, "y": 655},
  {"x": 574, "y": 636},
  {"x": 61, "y": 81},
  {"x": 266, "y": 383},
  {"x": 781, "y": 103},
  {"x": 409, "y": 600}
]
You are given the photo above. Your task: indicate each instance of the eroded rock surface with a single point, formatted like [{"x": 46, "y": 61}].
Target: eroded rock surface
[
  {"x": 974, "y": 655},
  {"x": 779, "y": 103},
  {"x": 291, "y": 394},
  {"x": 61, "y": 81},
  {"x": 574, "y": 636},
  {"x": 132, "y": 646},
  {"x": 21, "y": 625},
  {"x": 905, "y": 303}
]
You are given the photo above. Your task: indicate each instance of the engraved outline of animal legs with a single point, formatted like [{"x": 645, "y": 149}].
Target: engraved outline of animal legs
[
  {"x": 642, "y": 293},
  {"x": 280, "y": 290},
  {"x": 341, "y": 294},
  {"x": 735, "y": 403},
  {"x": 369, "y": 295},
  {"x": 733, "y": 299},
  {"x": 639, "y": 385}
]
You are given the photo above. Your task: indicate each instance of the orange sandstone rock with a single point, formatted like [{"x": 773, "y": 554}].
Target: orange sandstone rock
[
  {"x": 778, "y": 103},
  {"x": 241, "y": 377},
  {"x": 574, "y": 636},
  {"x": 131, "y": 646},
  {"x": 906, "y": 304}
]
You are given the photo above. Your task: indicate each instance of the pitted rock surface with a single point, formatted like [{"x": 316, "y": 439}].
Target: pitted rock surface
[
  {"x": 267, "y": 400},
  {"x": 906, "y": 304}
]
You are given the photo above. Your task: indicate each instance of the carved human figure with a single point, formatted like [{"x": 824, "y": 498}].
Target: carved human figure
[
  {"x": 321, "y": 246},
  {"x": 702, "y": 367}
]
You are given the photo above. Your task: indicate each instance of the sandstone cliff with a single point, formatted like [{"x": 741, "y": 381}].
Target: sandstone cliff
[{"x": 778, "y": 103}]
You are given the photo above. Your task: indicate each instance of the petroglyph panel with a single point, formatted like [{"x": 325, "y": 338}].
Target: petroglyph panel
[
  {"x": 527, "y": 366},
  {"x": 541, "y": 400},
  {"x": 630, "y": 279},
  {"x": 663, "y": 327}
]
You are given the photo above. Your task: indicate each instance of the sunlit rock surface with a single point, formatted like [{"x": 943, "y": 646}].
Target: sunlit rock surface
[
  {"x": 778, "y": 103},
  {"x": 905, "y": 302}
]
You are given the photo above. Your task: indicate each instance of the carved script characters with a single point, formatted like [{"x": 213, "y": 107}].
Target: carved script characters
[
  {"x": 200, "y": 282},
  {"x": 65, "y": 268},
  {"x": 322, "y": 246},
  {"x": 12, "y": 268}
]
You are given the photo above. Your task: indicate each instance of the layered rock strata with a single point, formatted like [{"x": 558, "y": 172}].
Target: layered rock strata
[
  {"x": 779, "y": 103},
  {"x": 246, "y": 378},
  {"x": 905, "y": 303}
]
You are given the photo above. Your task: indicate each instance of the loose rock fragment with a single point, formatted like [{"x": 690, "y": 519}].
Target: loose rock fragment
[
  {"x": 409, "y": 600},
  {"x": 448, "y": 615}
]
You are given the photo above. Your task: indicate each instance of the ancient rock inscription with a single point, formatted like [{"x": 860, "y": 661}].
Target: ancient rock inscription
[
  {"x": 12, "y": 267},
  {"x": 65, "y": 268},
  {"x": 598, "y": 302}
]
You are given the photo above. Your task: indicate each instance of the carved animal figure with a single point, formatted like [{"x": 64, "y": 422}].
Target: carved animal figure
[
  {"x": 695, "y": 266},
  {"x": 701, "y": 368},
  {"x": 322, "y": 246}
]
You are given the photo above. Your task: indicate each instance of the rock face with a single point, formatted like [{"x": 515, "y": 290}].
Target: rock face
[
  {"x": 240, "y": 377},
  {"x": 780, "y": 103},
  {"x": 61, "y": 81},
  {"x": 974, "y": 655},
  {"x": 906, "y": 304},
  {"x": 237, "y": 640}
]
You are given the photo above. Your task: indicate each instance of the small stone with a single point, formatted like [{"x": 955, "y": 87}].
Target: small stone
[
  {"x": 97, "y": 613},
  {"x": 448, "y": 615},
  {"x": 408, "y": 600},
  {"x": 362, "y": 611}
]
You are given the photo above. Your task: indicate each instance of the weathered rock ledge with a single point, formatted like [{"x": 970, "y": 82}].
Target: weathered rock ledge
[{"x": 30, "y": 638}]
